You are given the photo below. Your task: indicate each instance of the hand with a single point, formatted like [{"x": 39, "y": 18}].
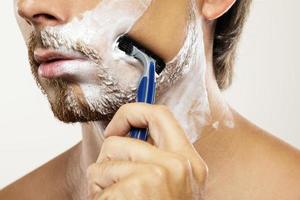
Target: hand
[{"x": 132, "y": 169}]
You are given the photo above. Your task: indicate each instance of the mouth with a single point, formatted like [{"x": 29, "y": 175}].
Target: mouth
[{"x": 55, "y": 64}]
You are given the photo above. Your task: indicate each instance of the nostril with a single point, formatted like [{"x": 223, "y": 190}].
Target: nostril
[
  {"x": 40, "y": 14},
  {"x": 44, "y": 16},
  {"x": 44, "y": 19}
]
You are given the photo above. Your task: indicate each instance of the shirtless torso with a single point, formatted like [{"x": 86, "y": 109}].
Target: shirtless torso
[{"x": 244, "y": 163}]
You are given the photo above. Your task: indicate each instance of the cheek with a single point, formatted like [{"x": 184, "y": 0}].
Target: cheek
[
  {"x": 126, "y": 75},
  {"x": 100, "y": 29}
]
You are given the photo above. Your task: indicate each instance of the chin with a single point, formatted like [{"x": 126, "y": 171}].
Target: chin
[
  {"x": 70, "y": 105},
  {"x": 73, "y": 112}
]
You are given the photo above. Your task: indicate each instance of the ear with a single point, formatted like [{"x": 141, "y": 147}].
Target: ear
[{"x": 212, "y": 9}]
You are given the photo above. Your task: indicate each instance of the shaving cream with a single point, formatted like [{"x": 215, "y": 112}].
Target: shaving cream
[{"x": 109, "y": 78}]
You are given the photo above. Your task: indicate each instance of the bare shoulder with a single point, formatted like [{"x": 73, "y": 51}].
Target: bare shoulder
[
  {"x": 279, "y": 161},
  {"x": 250, "y": 163},
  {"x": 272, "y": 151},
  {"x": 273, "y": 165},
  {"x": 42, "y": 183}
]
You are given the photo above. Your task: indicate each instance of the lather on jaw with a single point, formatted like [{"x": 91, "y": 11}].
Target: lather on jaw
[{"x": 92, "y": 98}]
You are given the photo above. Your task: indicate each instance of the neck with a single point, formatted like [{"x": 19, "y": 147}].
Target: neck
[
  {"x": 197, "y": 102},
  {"x": 86, "y": 154}
]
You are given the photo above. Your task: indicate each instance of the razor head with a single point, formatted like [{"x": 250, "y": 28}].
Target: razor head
[{"x": 126, "y": 44}]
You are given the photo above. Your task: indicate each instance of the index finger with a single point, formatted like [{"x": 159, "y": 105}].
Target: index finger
[{"x": 163, "y": 127}]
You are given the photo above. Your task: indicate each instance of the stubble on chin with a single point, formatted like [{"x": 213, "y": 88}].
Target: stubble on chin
[{"x": 66, "y": 99}]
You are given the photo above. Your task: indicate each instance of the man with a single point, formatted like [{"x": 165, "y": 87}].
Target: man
[{"x": 198, "y": 148}]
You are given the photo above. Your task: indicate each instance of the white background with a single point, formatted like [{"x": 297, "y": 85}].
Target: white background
[{"x": 265, "y": 88}]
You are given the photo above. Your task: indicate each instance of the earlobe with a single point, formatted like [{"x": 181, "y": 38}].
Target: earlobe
[{"x": 212, "y": 9}]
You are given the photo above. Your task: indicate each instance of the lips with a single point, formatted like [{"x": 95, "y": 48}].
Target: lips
[{"x": 52, "y": 64}]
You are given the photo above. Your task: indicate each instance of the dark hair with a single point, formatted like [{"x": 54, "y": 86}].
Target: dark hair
[{"x": 228, "y": 30}]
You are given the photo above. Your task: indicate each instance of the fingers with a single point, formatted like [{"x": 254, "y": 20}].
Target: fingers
[
  {"x": 110, "y": 173},
  {"x": 115, "y": 179},
  {"x": 123, "y": 148},
  {"x": 175, "y": 153},
  {"x": 141, "y": 187},
  {"x": 163, "y": 127},
  {"x": 128, "y": 149}
]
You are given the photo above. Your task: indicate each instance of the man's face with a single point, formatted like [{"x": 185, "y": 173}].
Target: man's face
[{"x": 73, "y": 56}]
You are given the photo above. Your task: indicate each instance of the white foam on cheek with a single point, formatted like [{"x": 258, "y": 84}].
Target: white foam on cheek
[
  {"x": 183, "y": 78},
  {"x": 99, "y": 28},
  {"x": 86, "y": 69}
]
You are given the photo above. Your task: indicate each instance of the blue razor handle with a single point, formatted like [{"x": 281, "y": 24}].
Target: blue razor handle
[
  {"x": 152, "y": 65},
  {"x": 145, "y": 94}
]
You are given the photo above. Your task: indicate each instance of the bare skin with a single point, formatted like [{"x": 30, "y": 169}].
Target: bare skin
[
  {"x": 244, "y": 162},
  {"x": 259, "y": 167}
]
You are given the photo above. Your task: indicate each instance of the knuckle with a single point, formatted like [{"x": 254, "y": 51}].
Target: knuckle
[
  {"x": 158, "y": 172},
  {"x": 181, "y": 165},
  {"x": 108, "y": 147},
  {"x": 91, "y": 170},
  {"x": 124, "y": 108},
  {"x": 110, "y": 141},
  {"x": 157, "y": 176},
  {"x": 159, "y": 112},
  {"x": 162, "y": 109}
]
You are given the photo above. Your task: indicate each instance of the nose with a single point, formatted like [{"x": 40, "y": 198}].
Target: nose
[{"x": 41, "y": 13}]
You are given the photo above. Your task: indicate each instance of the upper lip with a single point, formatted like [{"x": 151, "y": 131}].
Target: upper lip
[{"x": 46, "y": 56}]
